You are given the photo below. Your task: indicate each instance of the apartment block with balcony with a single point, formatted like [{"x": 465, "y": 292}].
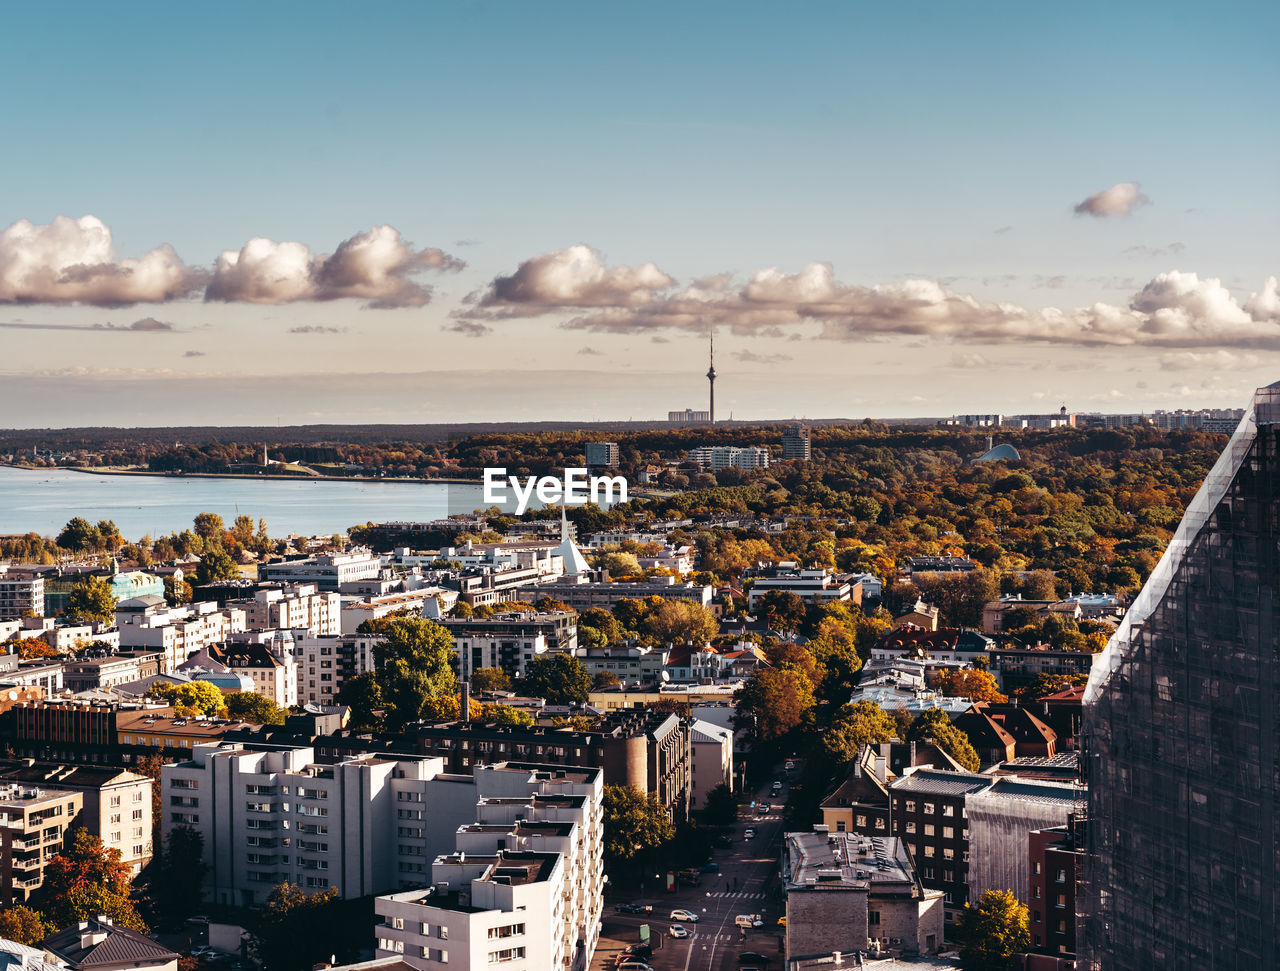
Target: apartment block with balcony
[
  {"x": 33, "y": 827},
  {"x": 21, "y": 594},
  {"x": 292, "y": 607}
]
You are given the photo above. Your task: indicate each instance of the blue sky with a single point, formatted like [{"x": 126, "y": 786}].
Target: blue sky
[{"x": 933, "y": 142}]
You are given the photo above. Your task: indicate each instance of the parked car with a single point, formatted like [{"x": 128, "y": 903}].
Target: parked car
[
  {"x": 753, "y": 959},
  {"x": 678, "y": 932},
  {"x": 710, "y": 867},
  {"x": 748, "y": 833},
  {"x": 634, "y": 966},
  {"x": 685, "y": 915},
  {"x": 782, "y": 921},
  {"x": 749, "y": 921},
  {"x": 633, "y": 908}
]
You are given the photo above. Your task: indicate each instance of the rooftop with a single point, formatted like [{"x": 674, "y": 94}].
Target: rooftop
[
  {"x": 942, "y": 783},
  {"x": 821, "y": 860}
]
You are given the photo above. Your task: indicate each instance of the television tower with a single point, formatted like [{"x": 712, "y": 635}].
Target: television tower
[{"x": 711, "y": 376}]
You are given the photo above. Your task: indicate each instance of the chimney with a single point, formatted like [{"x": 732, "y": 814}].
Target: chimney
[{"x": 464, "y": 702}]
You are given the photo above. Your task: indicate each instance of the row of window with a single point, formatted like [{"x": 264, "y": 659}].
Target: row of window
[{"x": 909, "y": 805}]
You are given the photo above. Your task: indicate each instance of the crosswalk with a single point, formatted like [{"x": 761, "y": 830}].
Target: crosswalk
[{"x": 738, "y": 894}]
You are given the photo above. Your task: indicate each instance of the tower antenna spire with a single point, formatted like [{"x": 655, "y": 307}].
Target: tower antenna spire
[{"x": 711, "y": 376}]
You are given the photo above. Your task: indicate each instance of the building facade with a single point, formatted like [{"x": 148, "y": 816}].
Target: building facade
[{"x": 1183, "y": 739}]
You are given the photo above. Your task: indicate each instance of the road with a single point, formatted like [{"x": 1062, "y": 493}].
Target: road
[{"x": 746, "y": 884}]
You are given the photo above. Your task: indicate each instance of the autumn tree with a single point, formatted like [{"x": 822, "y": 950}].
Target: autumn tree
[
  {"x": 91, "y": 601},
  {"x": 177, "y": 591},
  {"x": 773, "y": 702},
  {"x": 80, "y": 536},
  {"x": 24, "y": 925},
  {"x": 363, "y": 695},
  {"x": 968, "y": 683},
  {"x": 560, "y": 679},
  {"x": 249, "y": 706},
  {"x": 490, "y": 679},
  {"x": 216, "y": 565},
  {"x": 935, "y": 724},
  {"x": 782, "y": 610},
  {"x": 209, "y": 527},
  {"x": 854, "y": 726},
  {"x": 189, "y": 698},
  {"x": 682, "y": 622},
  {"x": 84, "y": 880},
  {"x": 994, "y": 932},
  {"x": 605, "y": 679},
  {"x": 599, "y": 619}
]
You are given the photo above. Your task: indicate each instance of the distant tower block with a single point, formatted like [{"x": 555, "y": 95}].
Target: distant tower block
[
  {"x": 711, "y": 378},
  {"x": 265, "y": 460}
]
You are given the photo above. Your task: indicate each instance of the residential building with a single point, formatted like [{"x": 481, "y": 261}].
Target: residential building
[
  {"x": 1017, "y": 667},
  {"x": 717, "y": 457},
  {"x": 328, "y": 571},
  {"x": 116, "y": 802},
  {"x": 860, "y": 804},
  {"x": 795, "y": 444},
  {"x": 141, "y": 732},
  {"x": 633, "y": 664},
  {"x": 147, "y": 624},
  {"x": 944, "y": 644},
  {"x": 1183, "y": 738},
  {"x": 940, "y": 564},
  {"x": 21, "y": 594},
  {"x": 677, "y": 559},
  {"x": 511, "y": 654},
  {"x": 689, "y": 417},
  {"x": 324, "y": 664},
  {"x": 918, "y": 615},
  {"x": 1001, "y": 819},
  {"x": 1055, "y": 868},
  {"x": 928, "y": 814},
  {"x": 849, "y": 893},
  {"x": 271, "y": 669},
  {"x": 817, "y": 586},
  {"x": 97, "y": 944},
  {"x": 581, "y": 593},
  {"x": 602, "y": 455},
  {"x": 524, "y": 885},
  {"x": 517, "y": 636},
  {"x": 34, "y": 823},
  {"x": 487, "y": 586},
  {"x": 107, "y": 672},
  {"x": 292, "y": 607},
  {"x": 710, "y": 762},
  {"x": 357, "y": 612},
  {"x": 1000, "y": 733}
]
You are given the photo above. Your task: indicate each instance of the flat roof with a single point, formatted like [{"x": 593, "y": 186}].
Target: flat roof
[{"x": 821, "y": 860}]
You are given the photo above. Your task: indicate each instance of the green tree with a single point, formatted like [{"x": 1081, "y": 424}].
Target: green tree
[
  {"x": 603, "y": 621},
  {"x": 242, "y": 530},
  {"x": 296, "y": 930},
  {"x": 605, "y": 679},
  {"x": 994, "y": 932},
  {"x": 84, "y": 880},
  {"x": 494, "y": 713},
  {"x": 363, "y": 695},
  {"x": 589, "y": 637},
  {"x": 634, "y": 821},
  {"x": 782, "y": 610},
  {"x": 178, "y": 876},
  {"x": 91, "y": 601},
  {"x": 935, "y": 724},
  {"x": 774, "y": 702},
  {"x": 1048, "y": 684},
  {"x": 414, "y": 660},
  {"x": 854, "y": 726},
  {"x": 24, "y": 925},
  {"x": 209, "y": 527},
  {"x": 80, "y": 536},
  {"x": 216, "y": 565},
  {"x": 721, "y": 807},
  {"x": 177, "y": 592},
  {"x": 490, "y": 679},
  {"x": 558, "y": 678},
  {"x": 249, "y": 706}
]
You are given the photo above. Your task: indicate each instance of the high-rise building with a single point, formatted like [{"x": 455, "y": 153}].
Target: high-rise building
[
  {"x": 711, "y": 379},
  {"x": 602, "y": 455},
  {"x": 1183, "y": 737},
  {"x": 795, "y": 444}
]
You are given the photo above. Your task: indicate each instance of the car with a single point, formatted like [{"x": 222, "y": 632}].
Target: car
[
  {"x": 678, "y": 932},
  {"x": 685, "y": 915},
  {"x": 634, "y": 966},
  {"x": 748, "y": 833},
  {"x": 753, "y": 958},
  {"x": 748, "y": 920},
  {"x": 710, "y": 867},
  {"x": 782, "y": 921},
  {"x": 203, "y": 951},
  {"x": 633, "y": 908}
]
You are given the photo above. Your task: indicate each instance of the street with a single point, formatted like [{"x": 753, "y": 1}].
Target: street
[{"x": 746, "y": 884}]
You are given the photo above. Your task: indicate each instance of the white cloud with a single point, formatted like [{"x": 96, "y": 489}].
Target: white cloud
[
  {"x": 1216, "y": 360},
  {"x": 1120, "y": 200},
  {"x": 74, "y": 261},
  {"x": 377, "y": 266}
]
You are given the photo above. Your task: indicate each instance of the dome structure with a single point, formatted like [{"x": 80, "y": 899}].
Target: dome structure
[{"x": 1002, "y": 452}]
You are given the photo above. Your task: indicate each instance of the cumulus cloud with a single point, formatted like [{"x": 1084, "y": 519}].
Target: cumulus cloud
[
  {"x": 1174, "y": 309},
  {"x": 378, "y": 266},
  {"x": 317, "y": 329},
  {"x": 574, "y": 277},
  {"x": 469, "y": 328},
  {"x": 74, "y": 261},
  {"x": 1120, "y": 200}
]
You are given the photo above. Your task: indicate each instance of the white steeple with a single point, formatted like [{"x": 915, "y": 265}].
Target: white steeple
[{"x": 574, "y": 561}]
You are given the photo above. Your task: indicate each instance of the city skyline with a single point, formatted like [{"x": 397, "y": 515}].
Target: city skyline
[{"x": 493, "y": 200}]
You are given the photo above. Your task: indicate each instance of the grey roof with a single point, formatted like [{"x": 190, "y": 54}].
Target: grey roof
[
  {"x": 1013, "y": 788},
  {"x": 122, "y": 947},
  {"x": 1002, "y": 451},
  {"x": 942, "y": 783}
]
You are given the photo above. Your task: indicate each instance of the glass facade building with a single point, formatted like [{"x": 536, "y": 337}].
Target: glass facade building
[{"x": 1181, "y": 717}]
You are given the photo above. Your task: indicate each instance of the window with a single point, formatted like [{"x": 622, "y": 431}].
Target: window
[
  {"x": 442, "y": 932},
  {"x": 115, "y": 817},
  {"x": 509, "y": 954},
  {"x": 1035, "y": 867},
  {"x": 137, "y": 814},
  {"x": 909, "y": 806},
  {"x": 839, "y": 825},
  {"x": 911, "y": 826},
  {"x": 1062, "y": 900},
  {"x": 862, "y": 822},
  {"x": 948, "y": 832},
  {"x": 873, "y": 917},
  {"x": 115, "y": 800},
  {"x": 948, "y": 810},
  {"x": 1035, "y": 893},
  {"x": 137, "y": 849},
  {"x": 1035, "y": 916},
  {"x": 879, "y": 822},
  {"x": 508, "y": 930},
  {"x": 1061, "y": 877},
  {"x": 928, "y": 829}
]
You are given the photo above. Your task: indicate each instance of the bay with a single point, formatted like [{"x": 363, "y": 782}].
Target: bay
[{"x": 42, "y": 500}]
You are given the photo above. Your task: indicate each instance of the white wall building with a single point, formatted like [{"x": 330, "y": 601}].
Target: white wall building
[
  {"x": 328, "y": 571},
  {"x": 812, "y": 586},
  {"x": 20, "y": 593},
  {"x": 712, "y": 760},
  {"x": 148, "y": 624},
  {"x": 292, "y": 607},
  {"x": 717, "y": 457}
]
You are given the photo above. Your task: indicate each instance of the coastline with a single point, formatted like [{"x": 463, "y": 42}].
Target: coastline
[{"x": 243, "y": 475}]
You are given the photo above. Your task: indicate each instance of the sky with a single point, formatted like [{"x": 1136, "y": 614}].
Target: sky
[{"x": 243, "y": 213}]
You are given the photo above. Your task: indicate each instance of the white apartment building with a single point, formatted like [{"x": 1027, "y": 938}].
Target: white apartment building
[
  {"x": 328, "y": 571},
  {"x": 148, "y": 624},
  {"x": 813, "y": 586},
  {"x": 20, "y": 593},
  {"x": 324, "y": 663},
  {"x": 717, "y": 457},
  {"x": 524, "y": 885},
  {"x": 292, "y": 607},
  {"x": 511, "y": 652},
  {"x": 267, "y": 816},
  {"x": 355, "y": 613},
  {"x": 711, "y": 762}
]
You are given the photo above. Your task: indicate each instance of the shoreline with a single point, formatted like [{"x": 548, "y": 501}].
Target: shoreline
[{"x": 244, "y": 475}]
